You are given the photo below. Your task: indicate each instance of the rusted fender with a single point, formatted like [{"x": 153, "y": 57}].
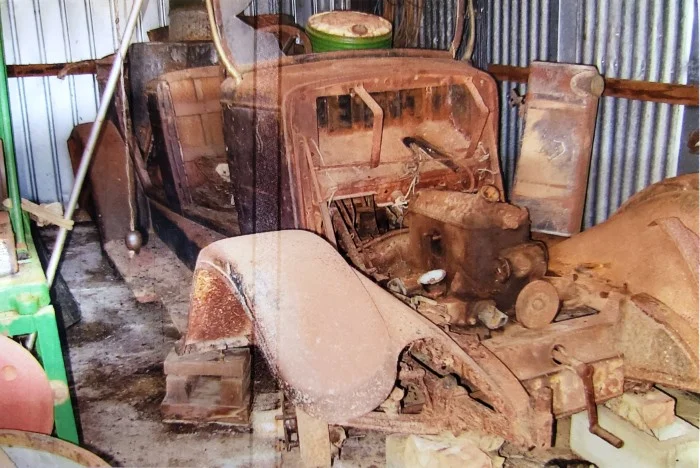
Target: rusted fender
[
  {"x": 332, "y": 337},
  {"x": 649, "y": 248}
]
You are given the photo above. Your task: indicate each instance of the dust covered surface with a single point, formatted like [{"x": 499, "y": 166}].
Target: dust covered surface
[{"x": 116, "y": 355}]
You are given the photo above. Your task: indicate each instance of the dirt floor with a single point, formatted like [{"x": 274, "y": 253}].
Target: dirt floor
[{"x": 116, "y": 354}]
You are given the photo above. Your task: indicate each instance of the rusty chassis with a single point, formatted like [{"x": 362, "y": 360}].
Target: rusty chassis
[{"x": 387, "y": 281}]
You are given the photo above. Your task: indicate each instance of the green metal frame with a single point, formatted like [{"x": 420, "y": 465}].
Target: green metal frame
[
  {"x": 25, "y": 303},
  {"x": 8, "y": 144},
  {"x": 26, "y": 309}
]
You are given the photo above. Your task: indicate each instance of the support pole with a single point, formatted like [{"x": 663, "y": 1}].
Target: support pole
[
  {"x": 8, "y": 144},
  {"x": 86, "y": 157}
]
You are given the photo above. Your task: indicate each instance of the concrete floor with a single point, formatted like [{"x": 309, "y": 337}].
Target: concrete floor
[{"x": 115, "y": 357}]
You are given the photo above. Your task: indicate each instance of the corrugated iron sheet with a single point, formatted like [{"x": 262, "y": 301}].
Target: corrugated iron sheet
[
  {"x": 301, "y": 10},
  {"x": 437, "y": 25},
  {"x": 635, "y": 143},
  {"x": 45, "y": 110}
]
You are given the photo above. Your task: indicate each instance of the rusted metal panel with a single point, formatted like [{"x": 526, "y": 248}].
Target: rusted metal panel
[
  {"x": 304, "y": 144},
  {"x": 658, "y": 333},
  {"x": 615, "y": 38},
  {"x": 552, "y": 173},
  {"x": 110, "y": 180},
  {"x": 326, "y": 382},
  {"x": 312, "y": 112},
  {"x": 568, "y": 395},
  {"x": 217, "y": 319}
]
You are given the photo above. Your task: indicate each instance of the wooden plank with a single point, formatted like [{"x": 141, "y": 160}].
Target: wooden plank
[
  {"x": 687, "y": 404},
  {"x": 684, "y": 95}
]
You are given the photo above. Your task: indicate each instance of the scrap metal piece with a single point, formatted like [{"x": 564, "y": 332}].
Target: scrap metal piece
[
  {"x": 552, "y": 172},
  {"x": 489, "y": 315},
  {"x": 377, "y": 123},
  {"x": 107, "y": 179},
  {"x": 304, "y": 328},
  {"x": 482, "y": 244}
]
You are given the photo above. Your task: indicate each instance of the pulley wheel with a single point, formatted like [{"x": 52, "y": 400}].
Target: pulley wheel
[{"x": 26, "y": 401}]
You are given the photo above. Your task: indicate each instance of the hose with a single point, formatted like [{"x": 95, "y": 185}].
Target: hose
[
  {"x": 469, "y": 49},
  {"x": 216, "y": 37}
]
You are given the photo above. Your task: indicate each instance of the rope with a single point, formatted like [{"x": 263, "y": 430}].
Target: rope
[{"x": 125, "y": 123}]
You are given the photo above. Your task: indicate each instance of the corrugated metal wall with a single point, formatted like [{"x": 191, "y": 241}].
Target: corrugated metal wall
[
  {"x": 437, "y": 25},
  {"x": 301, "y": 10},
  {"x": 45, "y": 110},
  {"x": 635, "y": 143}
]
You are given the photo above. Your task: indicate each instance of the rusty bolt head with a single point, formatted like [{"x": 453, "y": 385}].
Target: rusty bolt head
[
  {"x": 490, "y": 193},
  {"x": 502, "y": 270}
]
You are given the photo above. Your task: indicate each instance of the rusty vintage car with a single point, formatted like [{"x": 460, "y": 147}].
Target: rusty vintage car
[{"x": 383, "y": 275}]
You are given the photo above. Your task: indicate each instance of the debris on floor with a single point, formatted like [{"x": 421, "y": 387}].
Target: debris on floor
[
  {"x": 116, "y": 355},
  {"x": 445, "y": 450}
]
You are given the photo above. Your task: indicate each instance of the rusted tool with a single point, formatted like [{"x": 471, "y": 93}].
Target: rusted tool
[{"x": 585, "y": 373}]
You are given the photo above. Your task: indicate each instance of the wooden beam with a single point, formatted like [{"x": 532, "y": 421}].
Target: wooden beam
[{"x": 685, "y": 95}]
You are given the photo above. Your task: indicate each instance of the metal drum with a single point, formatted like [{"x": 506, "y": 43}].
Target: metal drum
[{"x": 348, "y": 30}]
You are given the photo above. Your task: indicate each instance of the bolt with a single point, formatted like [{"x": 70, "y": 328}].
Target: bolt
[{"x": 8, "y": 373}]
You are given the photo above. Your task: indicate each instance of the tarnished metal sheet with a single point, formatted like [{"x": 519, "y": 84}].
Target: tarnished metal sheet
[
  {"x": 635, "y": 143},
  {"x": 300, "y": 10},
  {"x": 517, "y": 34},
  {"x": 560, "y": 113}
]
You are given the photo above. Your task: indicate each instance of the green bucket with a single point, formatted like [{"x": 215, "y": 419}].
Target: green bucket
[{"x": 348, "y": 30}]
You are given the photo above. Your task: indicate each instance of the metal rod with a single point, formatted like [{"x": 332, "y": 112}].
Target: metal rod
[
  {"x": 585, "y": 373},
  {"x": 668, "y": 93},
  {"x": 8, "y": 144},
  {"x": 377, "y": 123},
  {"x": 92, "y": 139}
]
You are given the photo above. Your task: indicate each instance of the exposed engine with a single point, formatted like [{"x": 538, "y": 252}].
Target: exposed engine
[{"x": 462, "y": 260}]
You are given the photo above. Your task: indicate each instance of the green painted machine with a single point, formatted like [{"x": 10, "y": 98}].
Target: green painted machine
[{"x": 26, "y": 315}]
